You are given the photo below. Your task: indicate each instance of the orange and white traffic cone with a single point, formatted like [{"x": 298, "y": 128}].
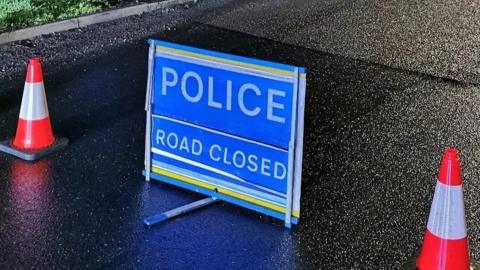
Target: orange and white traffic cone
[
  {"x": 34, "y": 137},
  {"x": 445, "y": 244}
]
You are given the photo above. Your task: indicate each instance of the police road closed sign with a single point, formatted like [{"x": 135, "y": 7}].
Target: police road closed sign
[{"x": 226, "y": 126}]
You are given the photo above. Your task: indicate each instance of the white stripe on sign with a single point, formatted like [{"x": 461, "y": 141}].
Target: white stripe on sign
[
  {"x": 34, "y": 102},
  {"x": 212, "y": 169},
  {"x": 447, "y": 215}
]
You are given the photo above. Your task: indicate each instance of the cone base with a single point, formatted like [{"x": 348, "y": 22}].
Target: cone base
[{"x": 31, "y": 155}]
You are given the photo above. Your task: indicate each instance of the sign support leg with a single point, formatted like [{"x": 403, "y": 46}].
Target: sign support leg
[
  {"x": 148, "y": 109},
  {"x": 158, "y": 218},
  {"x": 291, "y": 153}
]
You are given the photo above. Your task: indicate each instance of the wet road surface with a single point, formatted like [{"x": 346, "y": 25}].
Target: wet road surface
[
  {"x": 373, "y": 140},
  {"x": 434, "y": 37}
]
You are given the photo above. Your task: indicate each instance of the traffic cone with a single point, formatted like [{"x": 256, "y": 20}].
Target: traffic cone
[
  {"x": 445, "y": 244},
  {"x": 34, "y": 137}
]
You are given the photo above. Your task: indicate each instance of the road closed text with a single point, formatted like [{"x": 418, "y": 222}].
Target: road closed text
[{"x": 220, "y": 154}]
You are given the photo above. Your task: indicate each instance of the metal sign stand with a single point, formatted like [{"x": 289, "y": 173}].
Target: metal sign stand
[
  {"x": 264, "y": 199},
  {"x": 155, "y": 219},
  {"x": 158, "y": 218},
  {"x": 148, "y": 109}
]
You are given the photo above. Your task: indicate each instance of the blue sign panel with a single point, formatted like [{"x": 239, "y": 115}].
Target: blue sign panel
[
  {"x": 226, "y": 126},
  {"x": 250, "y": 106},
  {"x": 220, "y": 155}
]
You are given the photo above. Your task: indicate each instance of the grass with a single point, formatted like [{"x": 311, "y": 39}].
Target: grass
[{"x": 22, "y": 13}]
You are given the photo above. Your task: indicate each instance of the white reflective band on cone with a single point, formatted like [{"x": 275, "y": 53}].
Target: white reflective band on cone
[
  {"x": 34, "y": 102},
  {"x": 447, "y": 215}
]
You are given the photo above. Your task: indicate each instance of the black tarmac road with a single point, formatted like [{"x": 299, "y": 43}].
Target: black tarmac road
[{"x": 390, "y": 86}]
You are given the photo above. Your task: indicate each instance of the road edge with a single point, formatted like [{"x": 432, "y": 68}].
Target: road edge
[{"x": 86, "y": 20}]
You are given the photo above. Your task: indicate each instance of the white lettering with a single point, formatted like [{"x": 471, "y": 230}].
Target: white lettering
[
  {"x": 229, "y": 95},
  {"x": 271, "y": 104},
  {"x": 241, "y": 96},
  {"x": 160, "y": 136},
  {"x": 240, "y": 164},
  {"x": 184, "y": 145},
  {"x": 193, "y": 89},
  {"x": 196, "y": 98},
  {"x": 252, "y": 163},
  {"x": 225, "y": 155},
  {"x": 215, "y": 146},
  {"x": 196, "y": 147},
  {"x": 211, "y": 102},
  {"x": 181, "y": 143},
  {"x": 168, "y": 83},
  {"x": 173, "y": 144},
  {"x": 279, "y": 167},
  {"x": 265, "y": 166}
]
